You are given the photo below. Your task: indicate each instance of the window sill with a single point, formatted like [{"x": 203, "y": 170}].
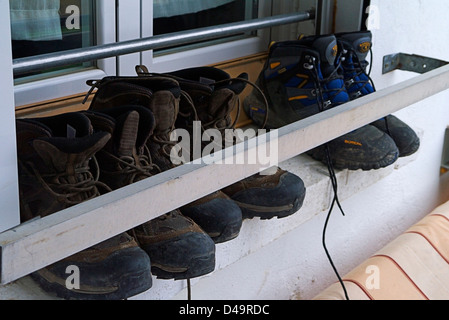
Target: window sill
[
  {"x": 255, "y": 233},
  {"x": 54, "y": 88}
]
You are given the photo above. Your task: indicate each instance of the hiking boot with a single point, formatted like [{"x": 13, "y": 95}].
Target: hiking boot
[
  {"x": 405, "y": 137},
  {"x": 355, "y": 47},
  {"x": 214, "y": 96},
  {"x": 181, "y": 249},
  {"x": 126, "y": 160},
  {"x": 54, "y": 174},
  {"x": 301, "y": 79},
  {"x": 216, "y": 213},
  {"x": 277, "y": 195}
]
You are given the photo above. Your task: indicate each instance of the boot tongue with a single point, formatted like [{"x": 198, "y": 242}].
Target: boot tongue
[
  {"x": 165, "y": 112},
  {"x": 360, "y": 42},
  {"x": 128, "y": 126},
  {"x": 327, "y": 48}
]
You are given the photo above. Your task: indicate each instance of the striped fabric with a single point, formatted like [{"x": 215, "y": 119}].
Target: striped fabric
[{"x": 415, "y": 266}]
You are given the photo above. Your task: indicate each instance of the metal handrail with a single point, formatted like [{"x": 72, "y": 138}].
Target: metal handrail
[{"x": 69, "y": 57}]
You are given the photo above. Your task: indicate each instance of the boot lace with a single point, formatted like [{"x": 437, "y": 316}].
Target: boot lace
[
  {"x": 355, "y": 70},
  {"x": 71, "y": 188},
  {"x": 216, "y": 123},
  {"x": 323, "y": 104},
  {"x": 239, "y": 108},
  {"x": 135, "y": 167},
  {"x": 325, "y": 94}
]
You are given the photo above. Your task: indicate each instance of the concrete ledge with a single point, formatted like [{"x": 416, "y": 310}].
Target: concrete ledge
[{"x": 255, "y": 233}]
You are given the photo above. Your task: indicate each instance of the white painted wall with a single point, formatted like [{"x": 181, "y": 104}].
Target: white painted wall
[
  {"x": 295, "y": 264},
  {"x": 9, "y": 204}
]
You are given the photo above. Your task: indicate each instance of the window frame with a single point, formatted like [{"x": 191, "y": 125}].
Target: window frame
[
  {"x": 208, "y": 54},
  {"x": 110, "y": 28},
  {"x": 73, "y": 83},
  {"x": 9, "y": 199}
]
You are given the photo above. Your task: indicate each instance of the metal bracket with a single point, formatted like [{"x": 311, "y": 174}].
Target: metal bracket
[
  {"x": 445, "y": 159},
  {"x": 408, "y": 62}
]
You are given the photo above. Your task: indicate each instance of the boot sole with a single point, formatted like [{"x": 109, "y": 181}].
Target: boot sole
[
  {"x": 187, "y": 256},
  {"x": 127, "y": 285},
  {"x": 387, "y": 161},
  {"x": 198, "y": 266},
  {"x": 230, "y": 232},
  {"x": 267, "y": 213},
  {"x": 130, "y": 287}
]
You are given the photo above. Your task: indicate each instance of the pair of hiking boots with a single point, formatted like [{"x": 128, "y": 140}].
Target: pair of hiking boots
[
  {"x": 123, "y": 138},
  {"x": 304, "y": 77}
]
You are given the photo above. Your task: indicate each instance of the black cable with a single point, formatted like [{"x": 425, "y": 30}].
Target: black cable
[
  {"x": 334, "y": 201},
  {"x": 368, "y": 74},
  {"x": 334, "y": 182},
  {"x": 189, "y": 290}
]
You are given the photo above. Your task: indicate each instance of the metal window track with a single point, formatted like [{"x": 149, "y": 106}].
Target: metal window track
[{"x": 64, "y": 58}]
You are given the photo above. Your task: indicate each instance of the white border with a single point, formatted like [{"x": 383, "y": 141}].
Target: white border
[{"x": 9, "y": 194}]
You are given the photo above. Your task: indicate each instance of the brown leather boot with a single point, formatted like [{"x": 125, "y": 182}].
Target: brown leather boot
[
  {"x": 54, "y": 174},
  {"x": 215, "y": 95},
  {"x": 126, "y": 159}
]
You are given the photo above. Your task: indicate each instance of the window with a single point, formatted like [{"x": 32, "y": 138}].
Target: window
[
  {"x": 47, "y": 26},
  {"x": 174, "y": 16},
  {"x": 169, "y": 16}
]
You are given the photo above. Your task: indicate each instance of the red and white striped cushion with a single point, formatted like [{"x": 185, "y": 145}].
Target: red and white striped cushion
[{"x": 415, "y": 266}]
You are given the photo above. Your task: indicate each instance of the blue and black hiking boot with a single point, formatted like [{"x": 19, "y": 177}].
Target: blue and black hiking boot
[
  {"x": 300, "y": 79},
  {"x": 178, "y": 247},
  {"x": 214, "y": 96},
  {"x": 355, "y": 47},
  {"x": 54, "y": 174}
]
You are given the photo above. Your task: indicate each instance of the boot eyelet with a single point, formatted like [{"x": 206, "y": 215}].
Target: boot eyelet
[
  {"x": 327, "y": 104},
  {"x": 308, "y": 66}
]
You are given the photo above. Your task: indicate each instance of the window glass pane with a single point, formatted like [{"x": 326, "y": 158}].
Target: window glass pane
[
  {"x": 173, "y": 15},
  {"x": 46, "y": 26}
]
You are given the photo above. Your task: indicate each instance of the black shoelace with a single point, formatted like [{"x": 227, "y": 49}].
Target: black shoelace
[
  {"x": 333, "y": 177},
  {"x": 358, "y": 69}
]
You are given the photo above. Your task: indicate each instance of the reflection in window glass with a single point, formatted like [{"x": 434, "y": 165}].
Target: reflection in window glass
[
  {"x": 46, "y": 26},
  {"x": 173, "y": 16}
]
